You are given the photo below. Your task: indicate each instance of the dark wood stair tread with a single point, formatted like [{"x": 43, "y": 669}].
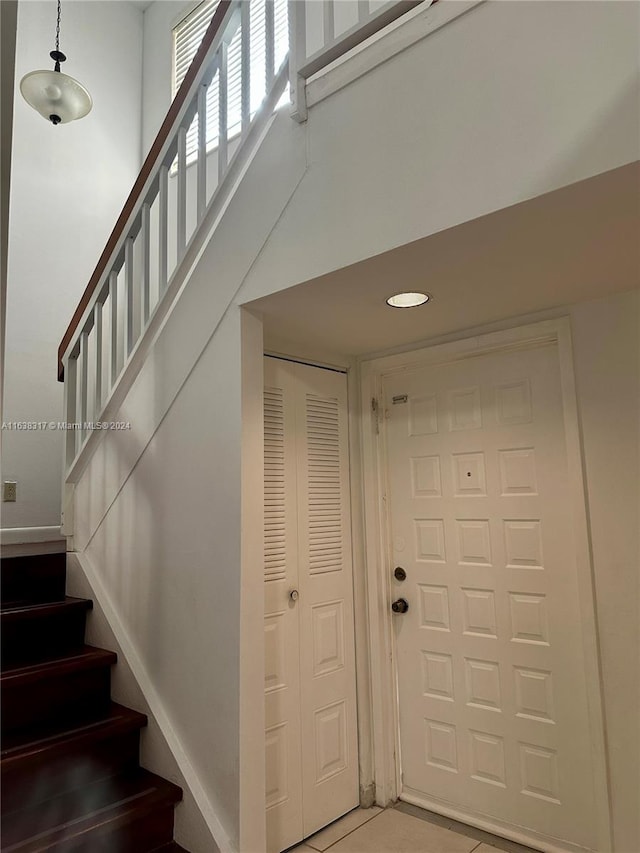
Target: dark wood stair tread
[
  {"x": 12, "y": 604},
  {"x": 69, "y": 759},
  {"x": 44, "y": 742},
  {"x": 12, "y": 611},
  {"x": 94, "y": 811},
  {"x": 87, "y": 657}
]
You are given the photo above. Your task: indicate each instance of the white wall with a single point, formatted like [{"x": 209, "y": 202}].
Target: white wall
[
  {"x": 8, "y": 27},
  {"x": 159, "y": 19},
  {"x": 606, "y": 339},
  {"x": 68, "y": 186},
  {"x": 173, "y": 570}
]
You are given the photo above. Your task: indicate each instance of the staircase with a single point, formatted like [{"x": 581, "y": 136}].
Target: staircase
[{"x": 71, "y": 779}]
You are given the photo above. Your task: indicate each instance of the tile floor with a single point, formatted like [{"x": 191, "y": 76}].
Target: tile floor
[{"x": 403, "y": 829}]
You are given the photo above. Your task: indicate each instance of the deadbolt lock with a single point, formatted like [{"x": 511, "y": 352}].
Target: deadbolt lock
[{"x": 399, "y": 574}]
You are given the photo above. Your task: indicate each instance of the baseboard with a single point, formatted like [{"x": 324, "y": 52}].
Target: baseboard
[
  {"x": 26, "y": 541},
  {"x": 520, "y": 835},
  {"x": 154, "y": 706}
]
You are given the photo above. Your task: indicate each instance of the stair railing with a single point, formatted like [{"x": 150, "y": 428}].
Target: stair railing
[
  {"x": 158, "y": 232},
  {"x": 157, "y": 225}
]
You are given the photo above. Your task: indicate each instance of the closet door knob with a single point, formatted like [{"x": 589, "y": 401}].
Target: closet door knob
[{"x": 294, "y": 595}]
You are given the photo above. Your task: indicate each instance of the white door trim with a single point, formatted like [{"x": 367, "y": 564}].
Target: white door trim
[{"x": 385, "y": 728}]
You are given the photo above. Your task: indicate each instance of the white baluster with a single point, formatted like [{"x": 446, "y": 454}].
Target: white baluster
[
  {"x": 84, "y": 382},
  {"x": 182, "y": 191},
  {"x": 163, "y": 219},
  {"x": 128, "y": 284},
  {"x": 269, "y": 42},
  {"x": 113, "y": 302},
  {"x": 245, "y": 66},
  {"x": 222, "y": 111},
  {"x": 70, "y": 390},
  {"x": 146, "y": 260},
  {"x": 328, "y": 22},
  {"x": 97, "y": 323},
  {"x": 202, "y": 151},
  {"x": 297, "y": 56}
]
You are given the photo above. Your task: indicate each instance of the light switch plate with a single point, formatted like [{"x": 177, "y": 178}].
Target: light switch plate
[{"x": 9, "y": 491}]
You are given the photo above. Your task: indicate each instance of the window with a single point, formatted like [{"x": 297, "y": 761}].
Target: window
[{"x": 187, "y": 36}]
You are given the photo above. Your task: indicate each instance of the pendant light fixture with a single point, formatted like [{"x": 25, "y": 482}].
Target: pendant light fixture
[{"x": 56, "y": 96}]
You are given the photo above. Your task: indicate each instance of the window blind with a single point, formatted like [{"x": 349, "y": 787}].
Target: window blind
[{"x": 188, "y": 35}]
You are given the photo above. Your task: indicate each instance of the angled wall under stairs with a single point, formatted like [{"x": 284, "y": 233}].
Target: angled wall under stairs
[{"x": 71, "y": 778}]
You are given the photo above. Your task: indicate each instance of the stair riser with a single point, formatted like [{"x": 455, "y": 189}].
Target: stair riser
[
  {"x": 37, "y": 578},
  {"x": 145, "y": 834},
  {"x": 72, "y": 697},
  {"x": 142, "y": 835},
  {"x": 29, "y": 639},
  {"x": 38, "y": 779}
]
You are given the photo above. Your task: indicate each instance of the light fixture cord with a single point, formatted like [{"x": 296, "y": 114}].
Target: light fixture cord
[
  {"x": 55, "y": 54},
  {"x": 58, "y": 29}
]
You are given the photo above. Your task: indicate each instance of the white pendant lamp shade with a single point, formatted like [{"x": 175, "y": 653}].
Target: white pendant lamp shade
[{"x": 56, "y": 96}]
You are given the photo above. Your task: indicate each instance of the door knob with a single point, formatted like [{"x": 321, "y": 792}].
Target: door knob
[
  {"x": 400, "y": 606},
  {"x": 294, "y": 595}
]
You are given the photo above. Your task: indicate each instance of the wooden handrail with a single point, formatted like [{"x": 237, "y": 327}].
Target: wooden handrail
[{"x": 134, "y": 196}]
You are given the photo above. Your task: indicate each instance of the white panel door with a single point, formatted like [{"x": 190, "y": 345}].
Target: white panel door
[
  {"x": 308, "y": 547},
  {"x": 491, "y": 681}
]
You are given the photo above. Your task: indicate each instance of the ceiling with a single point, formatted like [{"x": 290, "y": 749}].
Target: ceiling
[{"x": 577, "y": 243}]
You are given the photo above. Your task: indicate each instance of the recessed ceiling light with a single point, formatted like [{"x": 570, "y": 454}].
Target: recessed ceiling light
[{"x": 408, "y": 300}]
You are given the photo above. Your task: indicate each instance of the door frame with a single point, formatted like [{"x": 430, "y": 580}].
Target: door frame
[{"x": 384, "y": 703}]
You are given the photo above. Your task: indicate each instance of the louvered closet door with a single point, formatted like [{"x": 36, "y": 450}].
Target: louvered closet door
[
  {"x": 327, "y": 656},
  {"x": 281, "y": 625},
  {"x": 307, "y": 506}
]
